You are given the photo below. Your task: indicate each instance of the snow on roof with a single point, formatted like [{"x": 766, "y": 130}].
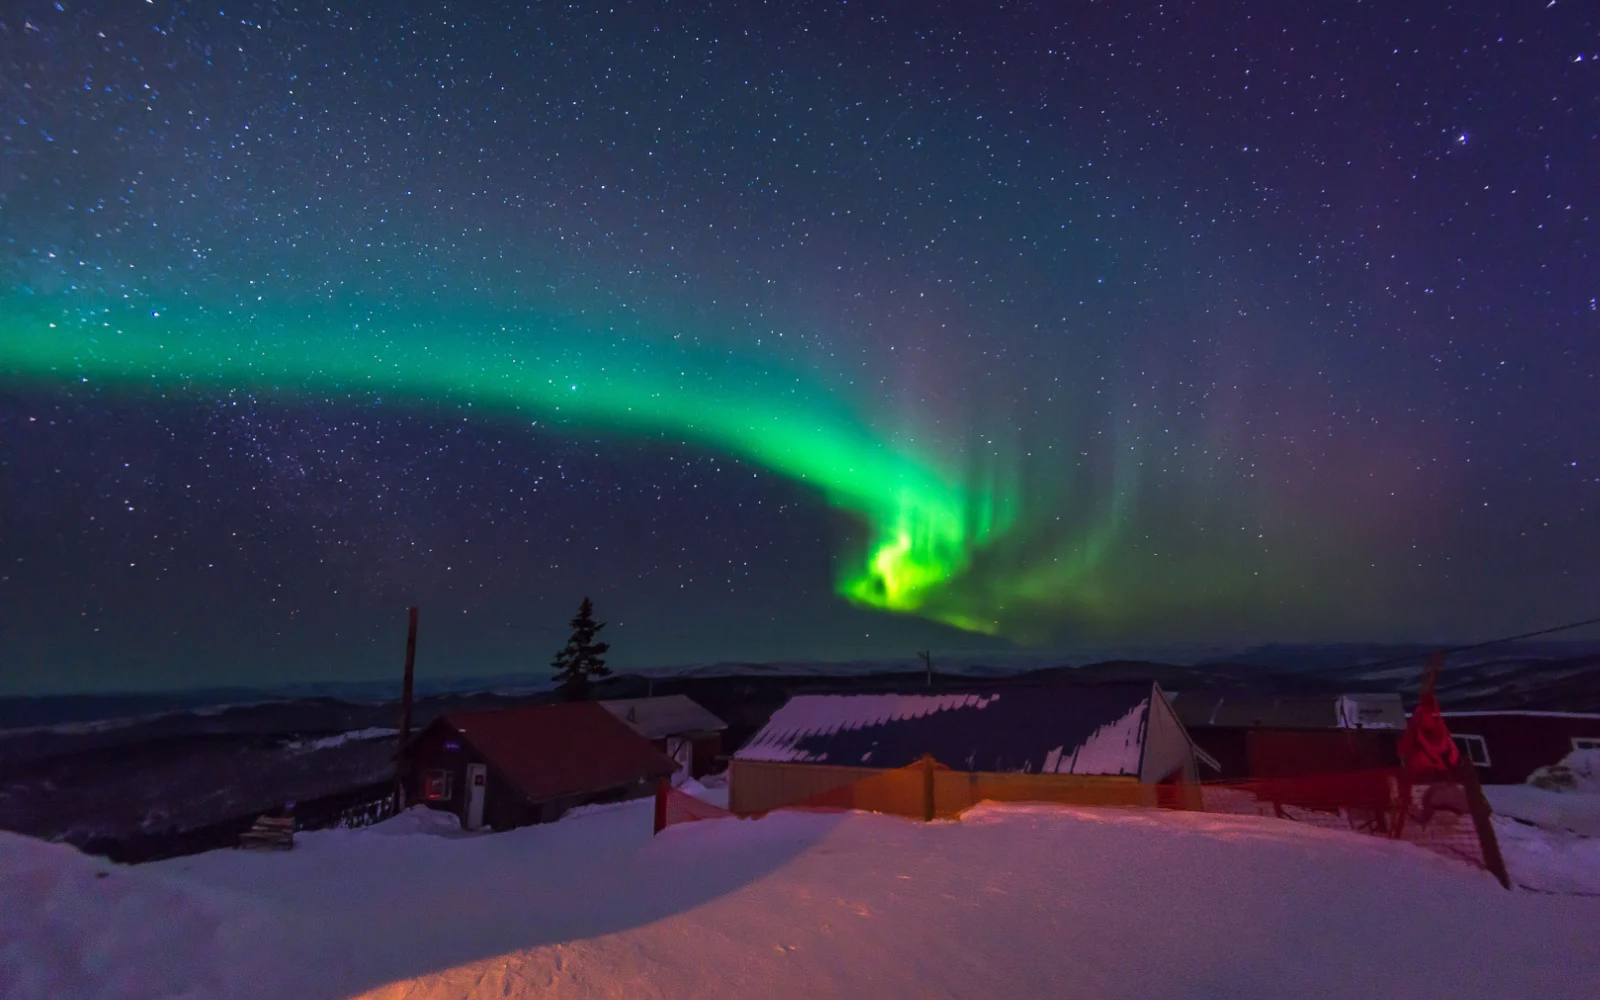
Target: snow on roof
[
  {"x": 1088, "y": 729},
  {"x": 668, "y": 715},
  {"x": 811, "y": 715}
]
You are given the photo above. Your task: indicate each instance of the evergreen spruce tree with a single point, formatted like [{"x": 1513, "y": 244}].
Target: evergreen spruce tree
[{"x": 580, "y": 660}]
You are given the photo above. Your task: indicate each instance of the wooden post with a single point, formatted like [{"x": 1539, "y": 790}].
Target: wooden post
[
  {"x": 411, "y": 668},
  {"x": 927, "y": 664},
  {"x": 405, "y": 711},
  {"x": 927, "y": 787},
  {"x": 663, "y": 788},
  {"x": 1483, "y": 821},
  {"x": 1430, "y": 675}
]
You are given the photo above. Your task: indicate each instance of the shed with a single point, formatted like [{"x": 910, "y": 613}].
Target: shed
[
  {"x": 516, "y": 766},
  {"x": 1101, "y": 739},
  {"x": 1507, "y": 747},
  {"x": 1258, "y": 736},
  {"x": 678, "y": 726}
]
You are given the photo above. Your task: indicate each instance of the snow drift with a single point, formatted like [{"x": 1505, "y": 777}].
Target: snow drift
[{"x": 1013, "y": 901}]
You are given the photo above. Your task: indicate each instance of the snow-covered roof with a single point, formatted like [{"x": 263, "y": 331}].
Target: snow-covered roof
[
  {"x": 1089, "y": 729},
  {"x": 668, "y": 715}
]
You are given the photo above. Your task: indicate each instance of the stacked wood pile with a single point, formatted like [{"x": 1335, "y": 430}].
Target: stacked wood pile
[{"x": 270, "y": 832}]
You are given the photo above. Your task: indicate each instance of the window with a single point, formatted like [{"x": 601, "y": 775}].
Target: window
[
  {"x": 1586, "y": 743},
  {"x": 1473, "y": 748},
  {"x": 438, "y": 786}
]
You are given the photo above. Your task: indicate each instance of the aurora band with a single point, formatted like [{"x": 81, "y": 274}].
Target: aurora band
[{"x": 924, "y": 522}]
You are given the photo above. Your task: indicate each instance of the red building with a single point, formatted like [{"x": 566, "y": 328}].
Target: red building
[
  {"x": 1260, "y": 736},
  {"x": 678, "y": 726},
  {"x": 1507, "y": 747},
  {"x": 517, "y": 766}
]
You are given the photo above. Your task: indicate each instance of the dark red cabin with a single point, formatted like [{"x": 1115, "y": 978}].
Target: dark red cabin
[
  {"x": 1255, "y": 736},
  {"x": 517, "y": 766},
  {"x": 1507, "y": 747}
]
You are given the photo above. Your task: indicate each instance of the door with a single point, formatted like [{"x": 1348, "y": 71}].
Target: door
[
  {"x": 682, "y": 751},
  {"x": 477, "y": 786}
]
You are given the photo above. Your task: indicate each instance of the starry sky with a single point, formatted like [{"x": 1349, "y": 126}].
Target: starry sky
[{"x": 787, "y": 331}]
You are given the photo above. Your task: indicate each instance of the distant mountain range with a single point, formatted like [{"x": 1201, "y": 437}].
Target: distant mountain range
[{"x": 1550, "y": 676}]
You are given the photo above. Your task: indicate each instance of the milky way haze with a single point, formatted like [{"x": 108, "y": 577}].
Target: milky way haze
[{"x": 814, "y": 331}]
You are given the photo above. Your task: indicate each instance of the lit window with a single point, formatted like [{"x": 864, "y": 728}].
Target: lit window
[
  {"x": 438, "y": 786},
  {"x": 1473, "y": 748}
]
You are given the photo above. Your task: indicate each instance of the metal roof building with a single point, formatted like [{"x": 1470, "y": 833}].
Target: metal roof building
[
  {"x": 1265, "y": 736},
  {"x": 678, "y": 726},
  {"x": 668, "y": 715},
  {"x": 1126, "y": 733}
]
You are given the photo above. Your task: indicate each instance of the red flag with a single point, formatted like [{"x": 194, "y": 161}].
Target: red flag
[{"x": 1426, "y": 748}]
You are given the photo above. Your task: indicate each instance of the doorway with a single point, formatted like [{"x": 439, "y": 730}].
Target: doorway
[{"x": 477, "y": 787}]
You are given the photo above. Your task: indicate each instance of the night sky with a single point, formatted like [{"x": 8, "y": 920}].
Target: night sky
[{"x": 787, "y": 331}]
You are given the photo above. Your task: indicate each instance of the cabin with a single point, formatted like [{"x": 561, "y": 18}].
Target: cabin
[
  {"x": 1092, "y": 744},
  {"x": 1505, "y": 748},
  {"x": 678, "y": 726},
  {"x": 517, "y": 766},
  {"x": 1254, "y": 736}
]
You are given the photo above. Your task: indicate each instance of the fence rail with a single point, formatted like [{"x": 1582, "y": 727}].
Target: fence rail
[{"x": 354, "y": 807}]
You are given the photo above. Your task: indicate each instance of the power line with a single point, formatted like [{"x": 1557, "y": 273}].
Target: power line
[{"x": 1483, "y": 645}]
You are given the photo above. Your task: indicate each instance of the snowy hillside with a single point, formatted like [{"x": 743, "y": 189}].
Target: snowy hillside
[{"x": 1014, "y": 901}]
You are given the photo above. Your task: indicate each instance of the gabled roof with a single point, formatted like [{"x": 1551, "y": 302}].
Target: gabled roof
[
  {"x": 1087, "y": 729},
  {"x": 546, "y": 751},
  {"x": 668, "y": 715}
]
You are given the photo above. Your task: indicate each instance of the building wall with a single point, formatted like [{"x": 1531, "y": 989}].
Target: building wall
[
  {"x": 1270, "y": 752},
  {"x": 1289, "y": 753},
  {"x": 1518, "y": 745},
  {"x": 757, "y": 786},
  {"x": 427, "y": 753},
  {"x": 553, "y": 809},
  {"x": 1229, "y": 746},
  {"x": 705, "y": 749},
  {"x": 1166, "y": 746}
]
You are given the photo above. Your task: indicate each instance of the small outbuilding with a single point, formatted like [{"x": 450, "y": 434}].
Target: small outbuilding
[
  {"x": 678, "y": 726},
  {"x": 1256, "y": 736},
  {"x": 1507, "y": 747},
  {"x": 517, "y": 766},
  {"x": 1100, "y": 743}
]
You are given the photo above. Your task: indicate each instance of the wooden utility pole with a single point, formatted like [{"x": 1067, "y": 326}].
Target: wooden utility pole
[
  {"x": 1467, "y": 774},
  {"x": 927, "y": 664},
  {"x": 405, "y": 687},
  {"x": 1430, "y": 675},
  {"x": 405, "y": 711}
]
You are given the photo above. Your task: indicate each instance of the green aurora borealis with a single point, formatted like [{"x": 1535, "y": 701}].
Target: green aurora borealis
[{"x": 927, "y": 519}]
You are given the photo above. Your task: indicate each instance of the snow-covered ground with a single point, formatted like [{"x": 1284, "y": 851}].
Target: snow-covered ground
[
  {"x": 1551, "y": 839},
  {"x": 340, "y": 739},
  {"x": 1010, "y": 901},
  {"x": 1575, "y": 812}
]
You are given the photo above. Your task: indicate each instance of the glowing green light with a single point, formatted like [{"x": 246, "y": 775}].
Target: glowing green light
[{"x": 923, "y": 522}]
